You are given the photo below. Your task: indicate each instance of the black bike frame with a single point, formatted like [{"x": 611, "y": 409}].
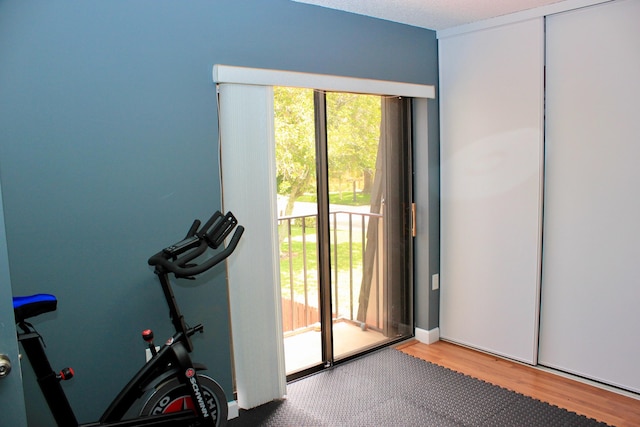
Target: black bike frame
[
  {"x": 172, "y": 360},
  {"x": 47, "y": 379},
  {"x": 174, "y": 312}
]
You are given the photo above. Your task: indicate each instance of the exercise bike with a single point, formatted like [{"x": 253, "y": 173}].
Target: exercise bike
[{"x": 169, "y": 388}]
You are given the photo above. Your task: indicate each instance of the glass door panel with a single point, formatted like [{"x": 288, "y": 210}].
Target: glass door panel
[
  {"x": 368, "y": 161},
  {"x": 297, "y": 226},
  {"x": 344, "y": 185}
]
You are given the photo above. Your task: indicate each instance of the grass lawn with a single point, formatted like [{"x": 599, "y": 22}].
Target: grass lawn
[{"x": 294, "y": 255}]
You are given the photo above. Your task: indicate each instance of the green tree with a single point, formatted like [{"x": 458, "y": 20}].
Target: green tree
[
  {"x": 353, "y": 130},
  {"x": 295, "y": 142}
]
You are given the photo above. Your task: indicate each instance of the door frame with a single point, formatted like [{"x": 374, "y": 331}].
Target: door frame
[
  {"x": 244, "y": 336},
  {"x": 11, "y": 389},
  {"x": 324, "y": 238}
]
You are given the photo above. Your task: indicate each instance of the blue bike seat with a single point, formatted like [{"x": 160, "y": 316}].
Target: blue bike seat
[{"x": 33, "y": 305}]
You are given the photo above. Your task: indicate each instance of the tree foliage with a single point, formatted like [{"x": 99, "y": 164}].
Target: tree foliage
[
  {"x": 295, "y": 142},
  {"x": 353, "y": 131}
]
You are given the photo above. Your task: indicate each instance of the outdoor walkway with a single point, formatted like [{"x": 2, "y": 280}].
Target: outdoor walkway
[{"x": 303, "y": 350}]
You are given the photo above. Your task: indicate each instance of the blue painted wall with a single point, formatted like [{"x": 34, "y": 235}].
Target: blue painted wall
[{"x": 108, "y": 151}]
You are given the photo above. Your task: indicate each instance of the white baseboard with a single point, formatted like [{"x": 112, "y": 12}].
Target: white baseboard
[
  {"x": 234, "y": 411},
  {"x": 428, "y": 337}
]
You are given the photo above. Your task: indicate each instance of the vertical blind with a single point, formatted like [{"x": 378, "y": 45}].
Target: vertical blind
[{"x": 249, "y": 191}]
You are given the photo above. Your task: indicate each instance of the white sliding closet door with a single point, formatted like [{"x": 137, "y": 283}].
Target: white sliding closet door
[
  {"x": 590, "y": 315},
  {"x": 491, "y": 92}
]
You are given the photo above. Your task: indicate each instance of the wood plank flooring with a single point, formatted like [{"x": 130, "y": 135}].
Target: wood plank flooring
[{"x": 594, "y": 402}]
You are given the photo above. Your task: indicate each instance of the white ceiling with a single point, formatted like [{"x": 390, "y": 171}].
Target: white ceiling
[{"x": 432, "y": 14}]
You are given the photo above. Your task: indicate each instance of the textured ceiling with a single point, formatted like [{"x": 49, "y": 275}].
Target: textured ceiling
[{"x": 432, "y": 14}]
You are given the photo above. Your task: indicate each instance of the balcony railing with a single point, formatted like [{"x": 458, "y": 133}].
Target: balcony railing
[{"x": 299, "y": 270}]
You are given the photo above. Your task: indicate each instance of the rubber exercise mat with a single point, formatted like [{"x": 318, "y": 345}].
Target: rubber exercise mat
[{"x": 390, "y": 388}]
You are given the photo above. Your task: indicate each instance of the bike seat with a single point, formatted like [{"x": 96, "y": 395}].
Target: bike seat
[{"x": 33, "y": 305}]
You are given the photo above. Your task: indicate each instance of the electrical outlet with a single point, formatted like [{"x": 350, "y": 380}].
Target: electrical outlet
[
  {"x": 147, "y": 352},
  {"x": 435, "y": 282}
]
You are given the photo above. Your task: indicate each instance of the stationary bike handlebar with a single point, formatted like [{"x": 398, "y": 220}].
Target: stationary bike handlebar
[{"x": 177, "y": 258}]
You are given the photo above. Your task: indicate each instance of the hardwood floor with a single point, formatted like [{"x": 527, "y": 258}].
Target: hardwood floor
[{"x": 606, "y": 406}]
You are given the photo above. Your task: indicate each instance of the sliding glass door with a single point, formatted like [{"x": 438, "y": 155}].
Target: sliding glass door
[{"x": 344, "y": 193}]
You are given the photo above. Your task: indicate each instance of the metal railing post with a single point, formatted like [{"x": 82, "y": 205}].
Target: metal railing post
[{"x": 301, "y": 317}]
